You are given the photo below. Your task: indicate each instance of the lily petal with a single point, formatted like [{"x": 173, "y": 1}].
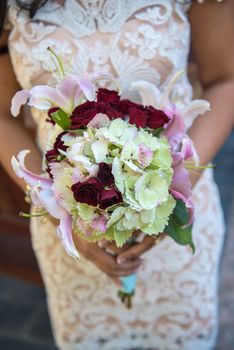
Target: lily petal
[
  {"x": 42, "y": 94},
  {"x": 150, "y": 94},
  {"x": 49, "y": 203},
  {"x": 193, "y": 109},
  {"x": 30, "y": 178},
  {"x": 72, "y": 88},
  {"x": 188, "y": 203},
  {"x": 165, "y": 101},
  {"x": 65, "y": 233},
  {"x": 175, "y": 130},
  {"x": 20, "y": 98},
  {"x": 87, "y": 88},
  {"x": 180, "y": 186}
]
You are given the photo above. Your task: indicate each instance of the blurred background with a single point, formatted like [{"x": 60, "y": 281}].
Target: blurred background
[{"x": 24, "y": 323}]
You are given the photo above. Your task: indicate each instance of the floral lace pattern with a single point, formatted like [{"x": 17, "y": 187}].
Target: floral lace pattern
[{"x": 175, "y": 306}]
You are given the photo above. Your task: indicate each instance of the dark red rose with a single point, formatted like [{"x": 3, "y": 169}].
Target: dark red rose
[
  {"x": 113, "y": 111},
  {"x": 126, "y": 105},
  {"x": 109, "y": 198},
  {"x": 87, "y": 191},
  {"x": 83, "y": 114},
  {"x": 156, "y": 118},
  {"x": 138, "y": 117},
  {"x": 51, "y": 111},
  {"x": 105, "y": 175},
  {"x": 51, "y": 155},
  {"x": 107, "y": 96}
]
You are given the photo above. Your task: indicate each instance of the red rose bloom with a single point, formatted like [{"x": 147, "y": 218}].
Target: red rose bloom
[
  {"x": 126, "y": 105},
  {"x": 136, "y": 112},
  {"x": 138, "y": 117},
  {"x": 109, "y": 198},
  {"x": 157, "y": 118},
  {"x": 113, "y": 111},
  {"x": 51, "y": 155},
  {"x": 107, "y": 96},
  {"x": 105, "y": 175},
  {"x": 87, "y": 191},
  {"x": 83, "y": 114}
]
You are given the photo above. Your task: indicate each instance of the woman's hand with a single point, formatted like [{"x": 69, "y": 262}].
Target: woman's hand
[
  {"x": 105, "y": 261},
  {"x": 114, "y": 261},
  {"x": 134, "y": 251}
]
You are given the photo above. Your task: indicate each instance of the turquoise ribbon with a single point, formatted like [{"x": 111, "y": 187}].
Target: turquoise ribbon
[{"x": 128, "y": 283}]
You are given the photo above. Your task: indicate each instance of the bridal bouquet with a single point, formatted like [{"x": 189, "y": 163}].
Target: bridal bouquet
[{"x": 112, "y": 166}]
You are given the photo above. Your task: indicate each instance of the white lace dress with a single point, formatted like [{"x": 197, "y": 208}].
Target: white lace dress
[{"x": 175, "y": 306}]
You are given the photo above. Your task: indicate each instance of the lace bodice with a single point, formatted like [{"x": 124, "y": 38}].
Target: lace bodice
[
  {"x": 132, "y": 40},
  {"x": 143, "y": 39},
  {"x": 175, "y": 303}
]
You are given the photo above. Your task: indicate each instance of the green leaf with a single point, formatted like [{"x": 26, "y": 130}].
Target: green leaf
[
  {"x": 177, "y": 228},
  {"x": 62, "y": 119},
  {"x": 157, "y": 132},
  {"x": 121, "y": 237}
]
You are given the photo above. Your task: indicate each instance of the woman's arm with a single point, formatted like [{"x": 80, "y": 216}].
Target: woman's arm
[
  {"x": 14, "y": 136},
  {"x": 212, "y": 35}
]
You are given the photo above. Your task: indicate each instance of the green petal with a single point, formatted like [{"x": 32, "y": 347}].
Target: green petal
[
  {"x": 117, "y": 214},
  {"x": 85, "y": 211},
  {"x": 151, "y": 189},
  {"x": 156, "y": 227},
  {"x": 165, "y": 209},
  {"x": 121, "y": 237}
]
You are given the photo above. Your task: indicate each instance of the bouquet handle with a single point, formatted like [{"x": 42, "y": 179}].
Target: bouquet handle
[{"x": 127, "y": 290}]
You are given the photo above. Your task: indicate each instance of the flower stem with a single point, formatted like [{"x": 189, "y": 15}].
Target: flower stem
[
  {"x": 28, "y": 216},
  {"x": 199, "y": 166},
  {"x": 126, "y": 298}
]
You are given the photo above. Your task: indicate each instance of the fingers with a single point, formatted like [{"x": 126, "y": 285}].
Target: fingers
[
  {"x": 138, "y": 249},
  {"x": 108, "y": 264},
  {"x": 111, "y": 248}
]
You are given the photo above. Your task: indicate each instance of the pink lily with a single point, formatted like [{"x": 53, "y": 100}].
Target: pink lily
[
  {"x": 66, "y": 95},
  {"x": 175, "y": 129},
  {"x": 152, "y": 95},
  {"x": 180, "y": 186},
  {"x": 42, "y": 194}
]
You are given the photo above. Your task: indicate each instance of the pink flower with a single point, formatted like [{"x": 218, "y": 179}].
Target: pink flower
[
  {"x": 42, "y": 194},
  {"x": 180, "y": 186},
  {"x": 145, "y": 155},
  {"x": 175, "y": 129},
  {"x": 99, "y": 224},
  {"x": 66, "y": 95}
]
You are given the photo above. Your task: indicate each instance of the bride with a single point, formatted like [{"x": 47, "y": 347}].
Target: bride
[{"x": 175, "y": 306}]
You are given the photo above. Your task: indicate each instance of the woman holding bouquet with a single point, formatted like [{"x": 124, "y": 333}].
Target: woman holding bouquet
[{"x": 175, "y": 306}]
